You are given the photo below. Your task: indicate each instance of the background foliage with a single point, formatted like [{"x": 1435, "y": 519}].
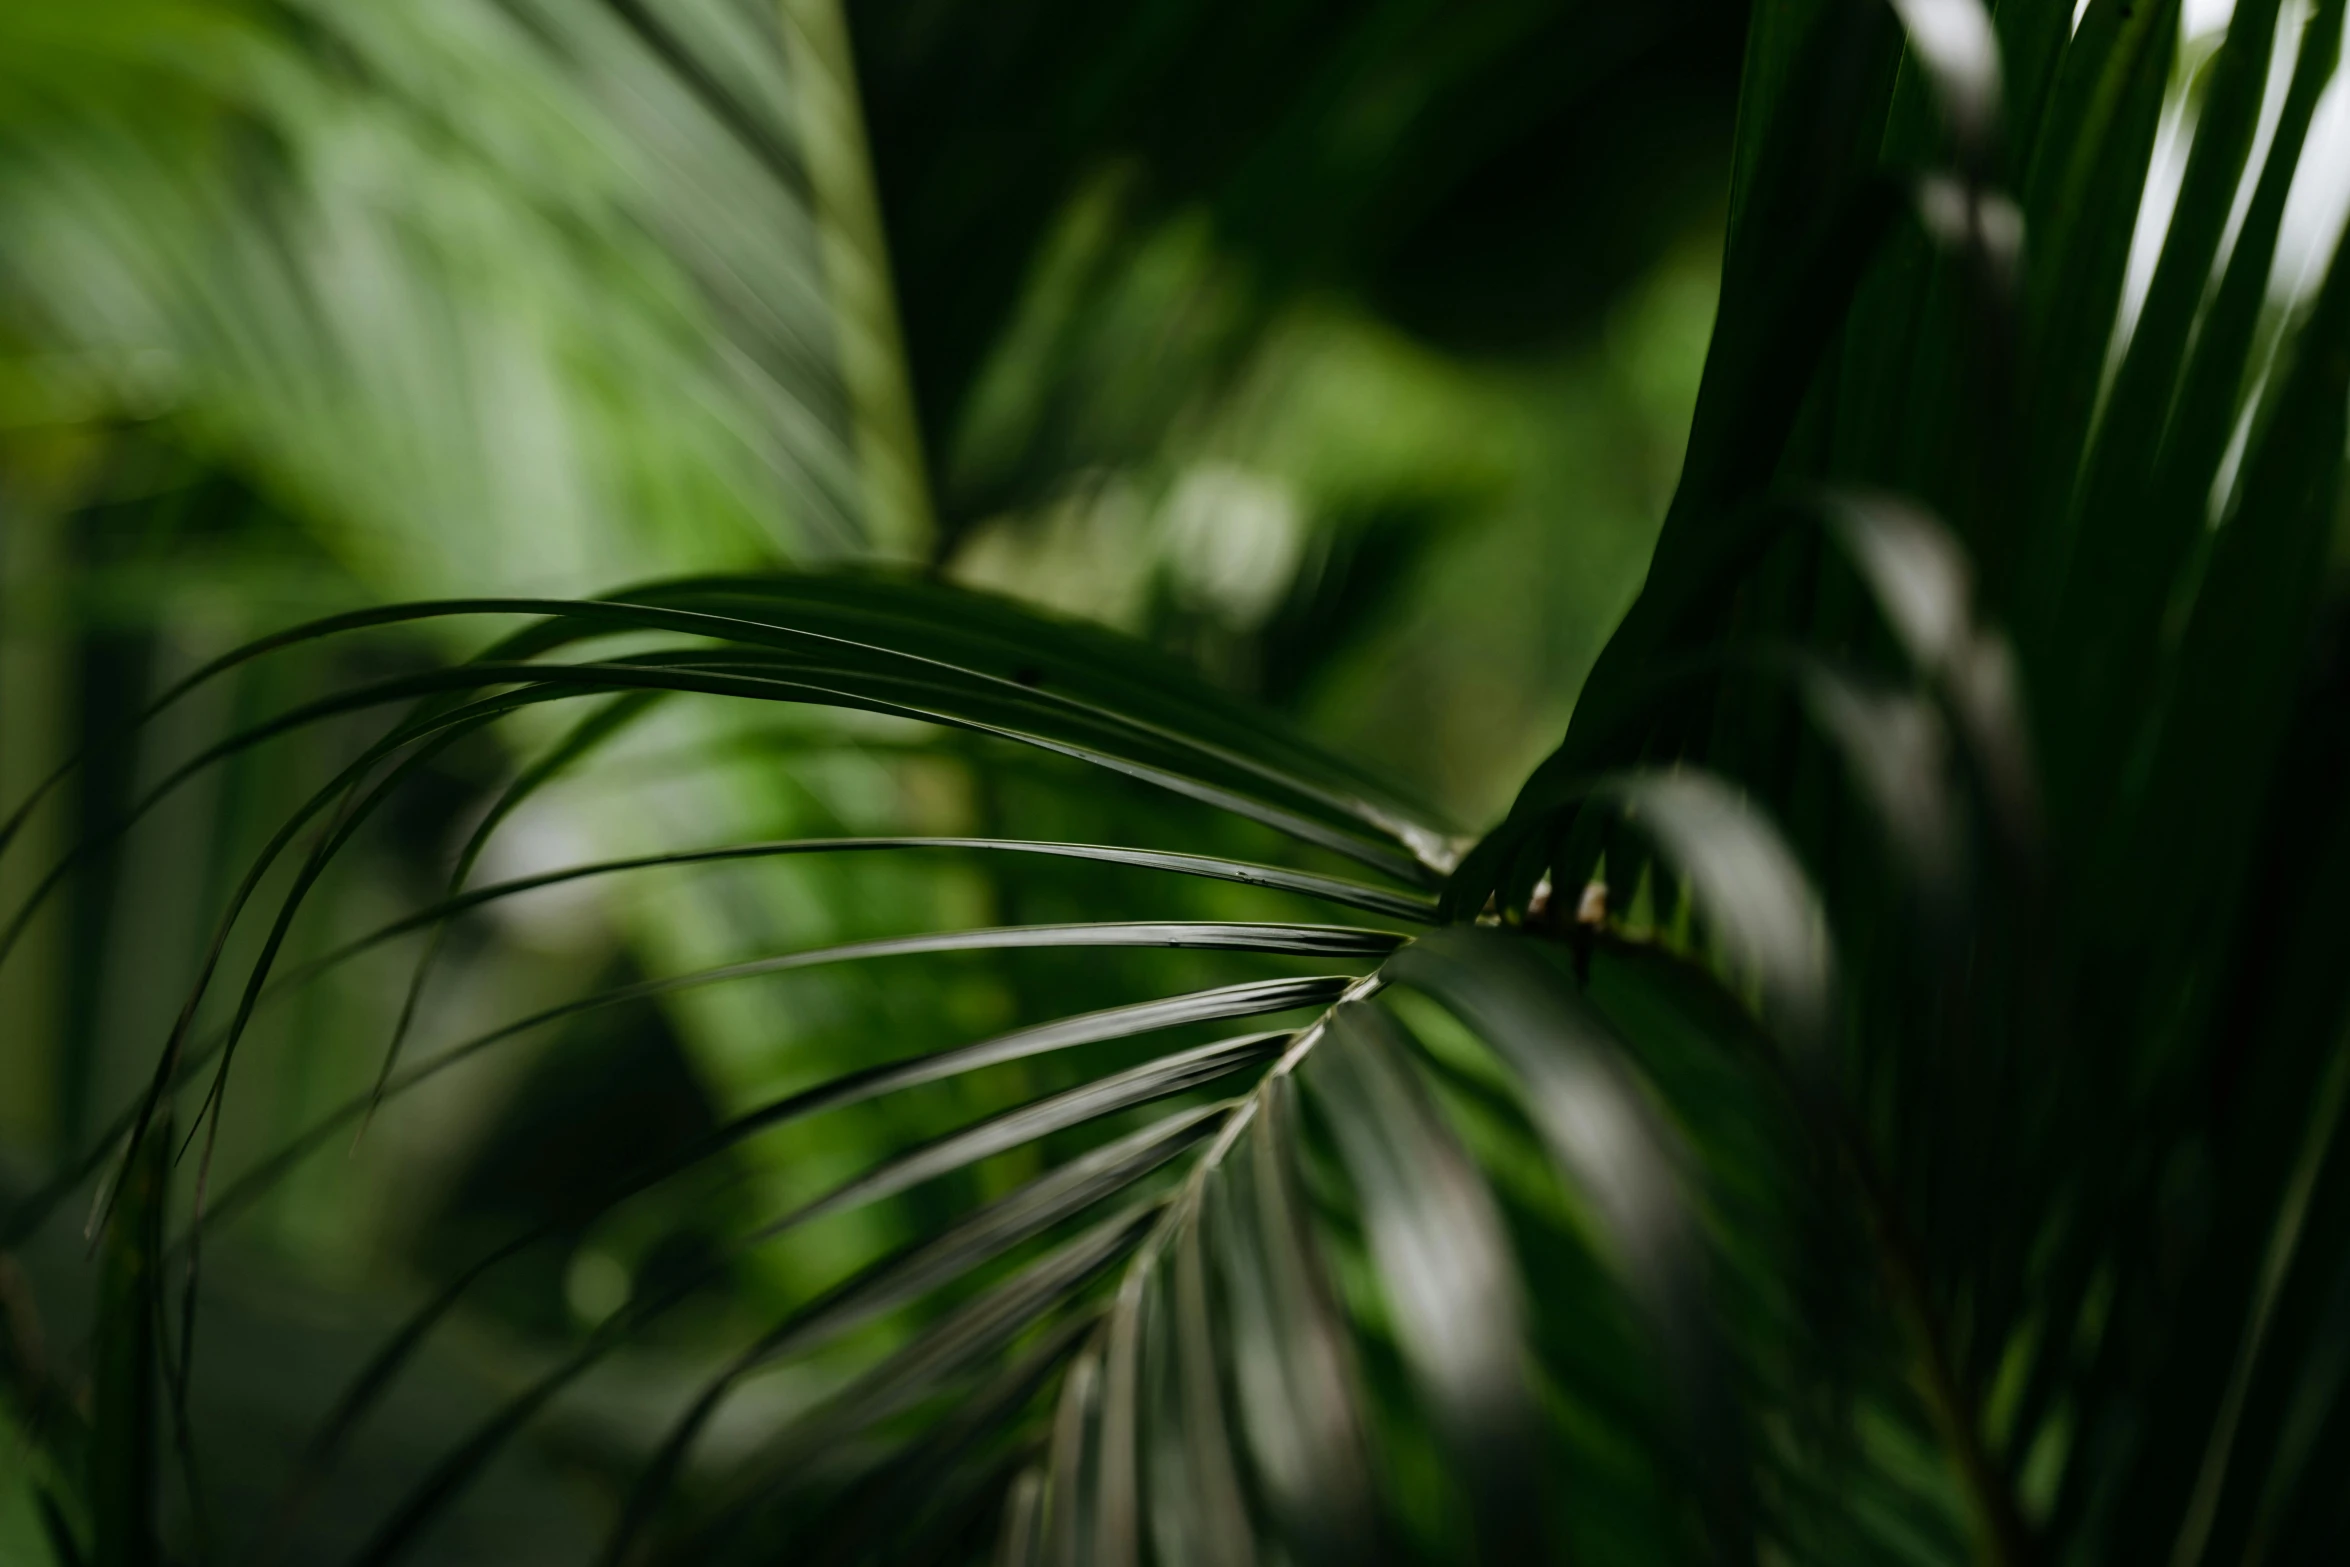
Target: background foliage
[{"x": 1917, "y": 1143}]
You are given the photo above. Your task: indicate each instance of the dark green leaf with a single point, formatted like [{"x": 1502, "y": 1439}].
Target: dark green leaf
[
  {"x": 1068, "y": 1523},
  {"x": 1590, "y": 1108},
  {"x": 1445, "y": 1263},
  {"x": 1021, "y": 1544},
  {"x": 124, "y": 1446},
  {"x": 1300, "y": 1400},
  {"x": 904, "y": 1276}
]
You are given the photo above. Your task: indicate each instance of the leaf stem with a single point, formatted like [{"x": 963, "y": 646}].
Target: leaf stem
[{"x": 2003, "y": 1538}]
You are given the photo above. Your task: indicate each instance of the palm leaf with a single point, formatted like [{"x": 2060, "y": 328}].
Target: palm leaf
[{"x": 1919, "y": 1142}]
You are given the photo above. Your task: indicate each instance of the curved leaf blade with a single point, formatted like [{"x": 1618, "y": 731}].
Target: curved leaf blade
[{"x": 1445, "y": 1261}]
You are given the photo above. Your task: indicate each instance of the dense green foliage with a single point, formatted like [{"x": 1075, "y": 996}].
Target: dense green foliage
[{"x": 1872, "y": 1098}]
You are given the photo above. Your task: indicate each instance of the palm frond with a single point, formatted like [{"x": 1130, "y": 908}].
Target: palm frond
[{"x": 1874, "y": 1098}]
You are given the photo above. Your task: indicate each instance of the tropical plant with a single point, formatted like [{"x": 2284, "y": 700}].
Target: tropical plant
[{"x": 1872, "y": 1098}]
